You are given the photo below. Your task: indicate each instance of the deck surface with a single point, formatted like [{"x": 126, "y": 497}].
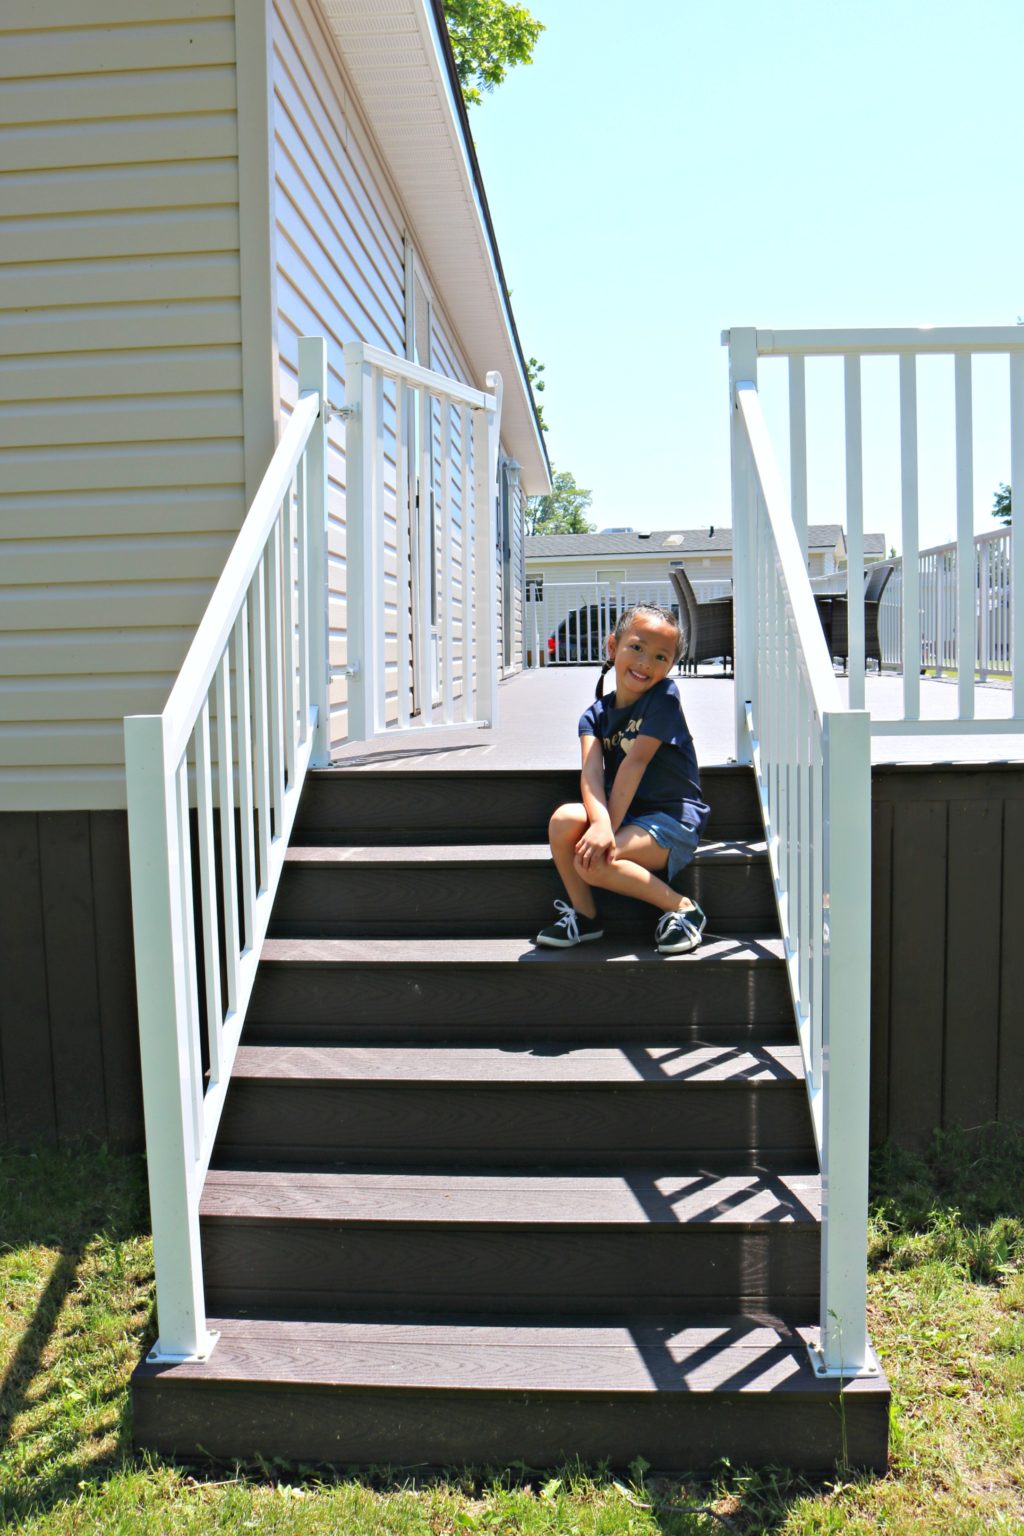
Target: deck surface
[{"x": 539, "y": 711}]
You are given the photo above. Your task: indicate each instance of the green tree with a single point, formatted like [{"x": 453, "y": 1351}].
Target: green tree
[
  {"x": 489, "y": 37},
  {"x": 533, "y": 373},
  {"x": 561, "y": 511},
  {"x": 1002, "y": 505}
]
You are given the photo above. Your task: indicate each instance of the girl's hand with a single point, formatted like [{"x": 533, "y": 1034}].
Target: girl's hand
[{"x": 597, "y": 842}]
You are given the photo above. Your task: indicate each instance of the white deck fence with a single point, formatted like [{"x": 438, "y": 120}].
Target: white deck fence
[
  {"x": 939, "y": 610},
  {"x": 214, "y": 780},
  {"x": 422, "y": 465},
  {"x": 811, "y": 754},
  {"x": 568, "y": 622}
]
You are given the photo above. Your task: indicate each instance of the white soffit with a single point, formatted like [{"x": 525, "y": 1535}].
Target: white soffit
[{"x": 393, "y": 58}]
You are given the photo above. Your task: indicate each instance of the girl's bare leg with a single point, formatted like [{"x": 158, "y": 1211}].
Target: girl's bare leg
[
  {"x": 565, "y": 829},
  {"x": 633, "y": 871}
]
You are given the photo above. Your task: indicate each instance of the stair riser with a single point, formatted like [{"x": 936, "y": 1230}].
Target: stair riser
[
  {"x": 477, "y": 900},
  {"x": 367, "y": 807},
  {"x": 675, "y": 1432},
  {"x": 737, "y": 1124},
  {"x": 568, "y": 1002},
  {"x": 458, "y": 1269}
]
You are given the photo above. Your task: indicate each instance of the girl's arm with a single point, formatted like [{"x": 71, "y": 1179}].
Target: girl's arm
[
  {"x": 627, "y": 780},
  {"x": 599, "y": 838}
]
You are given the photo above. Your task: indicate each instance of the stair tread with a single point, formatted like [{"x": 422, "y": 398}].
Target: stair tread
[
  {"x": 736, "y": 1354},
  {"x": 528, "y": 1065},
  {"x": 509, "y": 951},
  {"x": 401, "y": 856},
  {"x": 641, "y": 1197}
]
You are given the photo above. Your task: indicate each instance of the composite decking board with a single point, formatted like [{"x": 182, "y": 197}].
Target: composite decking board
[
  {"x": 643, "y": 1198},
  {"x": 642, "y": 1065},
  {"x": 729, "y": 1357},
  {"x": 415, "y": 985},
  {"x": 489, "y": 952}
]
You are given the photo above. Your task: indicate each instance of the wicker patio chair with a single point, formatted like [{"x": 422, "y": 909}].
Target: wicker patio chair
[
  {"x": 838, "y": 631},
  {"x": 707, "y": 627}
]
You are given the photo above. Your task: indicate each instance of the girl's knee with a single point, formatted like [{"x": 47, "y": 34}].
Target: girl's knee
[{"x": 567, "y": 824}]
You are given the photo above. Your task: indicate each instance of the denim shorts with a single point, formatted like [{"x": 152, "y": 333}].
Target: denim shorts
[{"x": 680, "y": 840}]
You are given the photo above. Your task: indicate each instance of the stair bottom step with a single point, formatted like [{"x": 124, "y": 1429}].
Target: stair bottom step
[{"x": 406, "y": 1391}]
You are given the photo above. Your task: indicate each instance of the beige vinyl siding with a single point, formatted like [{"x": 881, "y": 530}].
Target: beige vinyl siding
[
  {"x": 340, "y": 272},
  {"x": 121, "y": 462}
]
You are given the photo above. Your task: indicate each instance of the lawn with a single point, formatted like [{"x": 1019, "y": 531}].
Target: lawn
[{"x": 947, "y": 1316}]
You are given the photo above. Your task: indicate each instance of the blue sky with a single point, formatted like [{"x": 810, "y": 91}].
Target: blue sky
[{"x": 667, "y": 169}]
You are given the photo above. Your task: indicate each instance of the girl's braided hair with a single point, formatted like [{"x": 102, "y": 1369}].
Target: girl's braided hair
[{"x": 652, "y": 610}]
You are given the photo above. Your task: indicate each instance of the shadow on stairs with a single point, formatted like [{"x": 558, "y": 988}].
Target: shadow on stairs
[{"x": 473, "y": 1202}]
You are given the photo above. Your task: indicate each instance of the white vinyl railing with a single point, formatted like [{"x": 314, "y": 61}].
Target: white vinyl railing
[
  {"x": 580, "y": 615},
  {"x": 811, "y": 756},
  {"x": 421, "y": 536},
  {"x": 939, "y": 592},
  {"x": 219, "y": 771},
  {"x": 959, "y": 598}
]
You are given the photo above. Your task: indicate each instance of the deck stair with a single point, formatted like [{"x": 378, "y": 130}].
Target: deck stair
[{"x": 475, "y": 1202}]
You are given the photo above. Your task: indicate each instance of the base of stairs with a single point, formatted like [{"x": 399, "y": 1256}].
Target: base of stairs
[{"x": 402, "y": 1391}]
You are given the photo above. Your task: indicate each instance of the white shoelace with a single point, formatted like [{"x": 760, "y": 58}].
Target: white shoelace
[
  {"x": 568, "y": 917},
  {"x": 669, "y": 920}
]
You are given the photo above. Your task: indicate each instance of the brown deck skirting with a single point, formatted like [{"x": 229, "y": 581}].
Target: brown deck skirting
[{"x": 947, "y": 1018}]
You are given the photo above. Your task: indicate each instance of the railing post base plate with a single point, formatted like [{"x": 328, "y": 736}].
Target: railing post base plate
[
  {"x": 870, "y": 1368},
  {"x": 158, "y": 1356}
]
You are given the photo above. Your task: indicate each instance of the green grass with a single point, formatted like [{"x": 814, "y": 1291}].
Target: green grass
[{"x": 947, "y": 1316}]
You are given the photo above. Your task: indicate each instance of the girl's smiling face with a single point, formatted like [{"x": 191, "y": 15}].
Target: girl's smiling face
[{"x": 642, "y": 656}]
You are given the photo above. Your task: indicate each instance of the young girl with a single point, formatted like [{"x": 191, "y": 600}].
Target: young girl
[{"x": 642, "y": 813}]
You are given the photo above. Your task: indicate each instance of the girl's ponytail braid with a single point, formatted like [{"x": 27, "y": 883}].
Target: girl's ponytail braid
[{"x": 599, "y": 690}]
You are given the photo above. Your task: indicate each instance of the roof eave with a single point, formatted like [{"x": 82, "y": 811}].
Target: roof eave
[{"x": 423, "y": 134}]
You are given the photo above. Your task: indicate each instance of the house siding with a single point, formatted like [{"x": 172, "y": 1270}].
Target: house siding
[
  {"x": 340, "y": 267},
  {"x": 121, "y": 473}
]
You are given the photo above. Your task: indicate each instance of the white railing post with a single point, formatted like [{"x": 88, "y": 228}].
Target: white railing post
[
  {"x": 486, "y": 431},
  {"x": 846, "y": 1043},
  {"x": 1016, "y": 562},
  {"x": 742, "y": 369},
  {"x": 313, "y": 380},
  {"x": 168, "y": 1034},
  {"x": 359, "y": 550}
]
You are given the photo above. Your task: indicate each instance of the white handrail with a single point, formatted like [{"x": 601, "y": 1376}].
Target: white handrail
[
  {"x": 811, "y": 757},
  {"x": 223, "y": 765}
]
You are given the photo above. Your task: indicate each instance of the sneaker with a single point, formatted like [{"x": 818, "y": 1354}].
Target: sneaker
[
  {"x": 679, "y": 932},
  {"x": 571, "y": 928}
]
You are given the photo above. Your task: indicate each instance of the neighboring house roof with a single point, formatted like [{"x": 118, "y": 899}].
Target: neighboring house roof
[
  {"x": 403, "y": 71},
  {"x": 674, "y": 544}
]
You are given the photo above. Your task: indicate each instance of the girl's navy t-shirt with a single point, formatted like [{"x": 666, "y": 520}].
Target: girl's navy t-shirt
[{"x": 671, "y": 781}]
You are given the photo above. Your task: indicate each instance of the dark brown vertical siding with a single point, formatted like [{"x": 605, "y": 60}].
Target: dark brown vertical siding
[
  {"x": 24, "y": 1004},
  {"x": 881, "y": 966},
  {"x": 68, "y": 1024},
  {"x": 115, "y": 969},
  {"x": 1011, "y": 991},
  {"x": 918, "y": 906},
  {"x": 973, "y": 943},
  {"x": 947, "y": 997},
  {"x": 69, "y": 936}
]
